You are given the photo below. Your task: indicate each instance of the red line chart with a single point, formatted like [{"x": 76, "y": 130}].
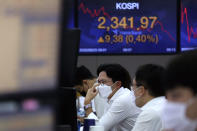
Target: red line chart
[
  {"x": 95, "y": 13},
  {"x": 190, "y": 30}
]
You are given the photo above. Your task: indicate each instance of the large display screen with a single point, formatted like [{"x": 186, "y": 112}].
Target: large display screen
[
  {"x": 29, "y": 31},
  {"x": 188, "y": 25},
  {"x": 127, "y": 26}
]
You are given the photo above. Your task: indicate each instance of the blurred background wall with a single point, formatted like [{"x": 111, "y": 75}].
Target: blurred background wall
[{"x": 130, "y": 62}]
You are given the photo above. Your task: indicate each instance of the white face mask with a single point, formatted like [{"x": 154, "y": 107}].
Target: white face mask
[
  {"x": 104, "y": 90},
  {"x": 173, "y": 117}
]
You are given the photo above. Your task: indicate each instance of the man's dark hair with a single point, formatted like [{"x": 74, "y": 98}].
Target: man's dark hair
[
  {"x": 182, "y": 71},
  {"x": 150, "y": 76},
  {"x": 117, "y": 73},
  {"x": 82, "y": 73}
]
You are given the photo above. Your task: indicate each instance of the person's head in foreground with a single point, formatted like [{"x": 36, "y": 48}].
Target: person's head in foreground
[
  {"x": 147, "y": 83},
  {"x": 181, "y": 86},
  {"x": 180, "y": 77}
]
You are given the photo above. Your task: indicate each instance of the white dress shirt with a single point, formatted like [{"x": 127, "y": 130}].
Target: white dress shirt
[
  {"x": 120, "y": 114},
  {"x": 100, "y": 104},
  {"x": 150, "y": 117}
]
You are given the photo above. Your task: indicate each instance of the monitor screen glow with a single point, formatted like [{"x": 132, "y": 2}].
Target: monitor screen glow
[
  {"x": 127, "y": 26},
  {"x": 188, "y": 25}
]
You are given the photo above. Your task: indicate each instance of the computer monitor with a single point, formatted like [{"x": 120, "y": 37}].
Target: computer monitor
[
  {"x": 117, "y": 27},
  {"x": 40, "y": 120},
  {"x": 59, "y": 106},
  {"x": 29, "y": 31},
  {"x": 188, "y": 25},
  {"x": 26, "y": 115}
]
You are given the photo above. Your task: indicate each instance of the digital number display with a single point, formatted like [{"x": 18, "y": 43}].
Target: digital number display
[
  {"x": 127, "y": 26},
  {"x": 127, "y": 22}
]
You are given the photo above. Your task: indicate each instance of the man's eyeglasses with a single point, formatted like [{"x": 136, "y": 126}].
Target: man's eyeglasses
[{"x": 102, "y": 82}]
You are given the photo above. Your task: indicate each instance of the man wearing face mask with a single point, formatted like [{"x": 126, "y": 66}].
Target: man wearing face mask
[
  {"x": 83, "y": 81},
  {"x": 181, "y": 89},
  {"x": 113, "y": 85},
  {"x": 147, "y": 87}
]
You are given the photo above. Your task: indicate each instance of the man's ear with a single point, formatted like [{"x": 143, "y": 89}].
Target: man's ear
[{"x": 142, "y": 90}]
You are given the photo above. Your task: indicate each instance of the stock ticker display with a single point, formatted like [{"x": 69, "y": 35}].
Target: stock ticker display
[
  {"x": 127, "y": 26},
  {"x": 188, "y": 25}
]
